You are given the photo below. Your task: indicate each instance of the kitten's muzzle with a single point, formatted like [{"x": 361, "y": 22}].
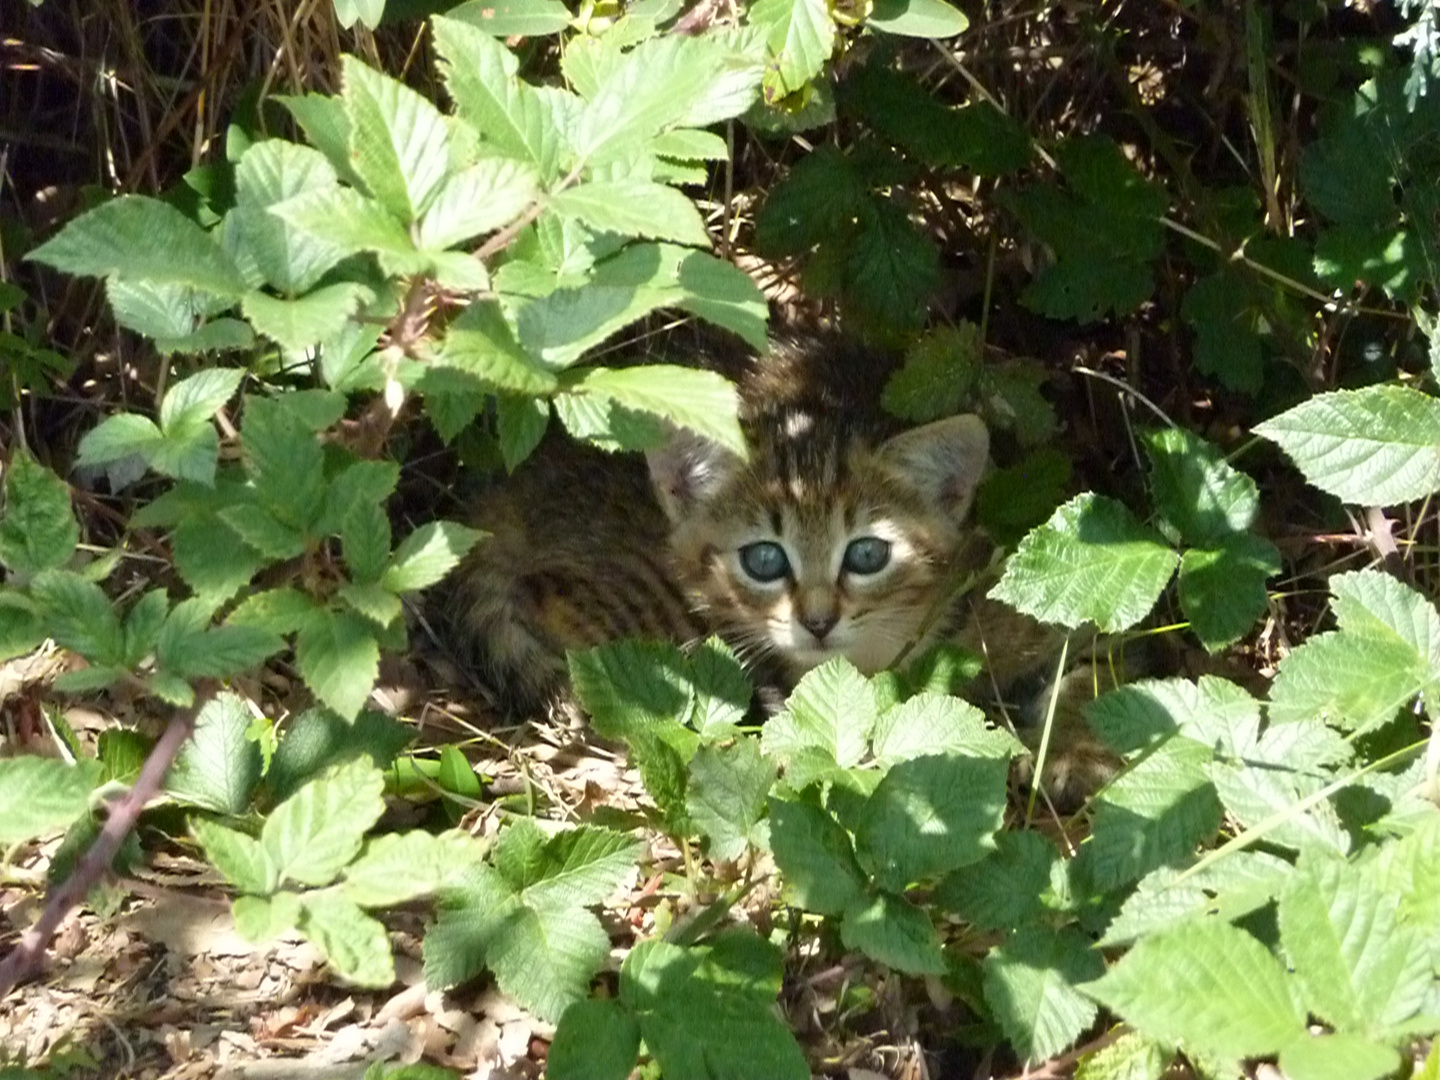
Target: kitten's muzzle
[{"x": 820, "y": 623}]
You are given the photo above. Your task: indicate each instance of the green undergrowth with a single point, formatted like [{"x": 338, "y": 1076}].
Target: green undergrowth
[{"x": 1261, "y": 878}]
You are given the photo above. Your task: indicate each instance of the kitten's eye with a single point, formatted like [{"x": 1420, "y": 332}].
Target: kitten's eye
[
  {"x": 867, "y": 555},
  {"x": 764, "y": 560}
]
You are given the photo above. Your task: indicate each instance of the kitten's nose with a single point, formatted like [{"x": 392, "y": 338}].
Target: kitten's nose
[{"x": 820, "y": 623}]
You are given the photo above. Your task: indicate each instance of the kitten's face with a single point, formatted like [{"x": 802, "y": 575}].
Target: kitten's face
[{"x": 813, "y": 550}]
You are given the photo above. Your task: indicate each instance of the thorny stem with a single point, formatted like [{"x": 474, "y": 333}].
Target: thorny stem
[{"x": 23, "y": 960}]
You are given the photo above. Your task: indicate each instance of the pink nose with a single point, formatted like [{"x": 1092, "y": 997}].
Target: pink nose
[{"x": 820, "y": 624}]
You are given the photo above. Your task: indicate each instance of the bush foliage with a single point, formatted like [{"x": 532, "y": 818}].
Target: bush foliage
[{"x": 1227, "y": 211}]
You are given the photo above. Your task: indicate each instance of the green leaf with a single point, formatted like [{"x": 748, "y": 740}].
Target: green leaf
[
  {"x": 634, "y": 207},
  {"x": 1222, "y": 589},
  {"x": 118, "y": 437},
  {"x": 1337, "y": 1057},
  {"x": 1030, "y": 985},
  {"x": 355, "y": 945},
  {"x": 399, "y": 142},
  {"x": 313, "y": 318},
  {"x": 930, "y": 815},
  {"x": 831, "y": 710},
  {"x": 696, "y": 1006},
  {"x": 514, "y": 118},
  {"x": 918, "y": 18},
  {"x": 722, "y": 690},
  {"x": 270, "y": 172},
  {"x": 727, "y": 795},
  {"x": 481, "y": 343},
  {"x": 315, "y": 833},
  {"x": 1375, "y": 447},
  {"x": 318, "y": 738},
  {"x": 1197, "y": 493},
  {"x": 427, "y": 555},
  {"x": 482, "y": 198},
  {"x": 240, "y": 858},
  {"x": 79, "y": 616},
  {"x": 1225, "y": 312},
  {"x": 1207, "y": 985},
  {"x": 37, "y": 530},
  {"x": 1356, "y": 681},
  {"x": 1154, "y": 814},
  {"x": 815, "y": 856},
  {"x": 703, "y": 401},
  {"x": 1259, "y": 795},
  {"x": 664, "y": 83},
  {"x": 630, "y": 687},
  {"x": 1131, "y": 1057},
  {"x": 41, "y": 796},
  {"x": 1002, "y": 890},
  {"x": 603, "y": 423},
  {"x": 398, "y": 867},
  {"x": 1373, "y": 602},
  {"x": 938, "y": 375},
  {"x": 686, "y": 145},
  {"x": 339, "y": 660},
  {"x": 191, "y": 403},
  {"x": 365, "y": 541},
  {"x": 141, "y": 239},
  {"x": 263, "y": 918},
  {"x": 514, "y": 18},
  {"x": 892, "y": 930},
  {"x": 285, "y": 460},
  {"x": 1014, "y": 500},
  {"x": 938, "y": 724},
  {"x": 218, "y": 767},
  {"x": 352, "y": 222},
  {"x": 596, "y": 1040},
  {"x": 1091, "y": 562},
  {"x": 801, "y": 36},
  {"x": 1360, "y": 969},
  {"x": 520, "y": 424}
]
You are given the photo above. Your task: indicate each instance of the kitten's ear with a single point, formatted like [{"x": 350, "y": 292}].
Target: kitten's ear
[
  {"x": 945, "y": 460},
  {"x": 689, "y": 469}
]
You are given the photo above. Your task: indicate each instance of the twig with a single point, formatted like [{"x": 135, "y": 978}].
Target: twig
[{"x": 24, "y": 959}]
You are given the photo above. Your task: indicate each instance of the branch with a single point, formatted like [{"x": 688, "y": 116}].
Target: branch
[{"x": 24, "y": 959}]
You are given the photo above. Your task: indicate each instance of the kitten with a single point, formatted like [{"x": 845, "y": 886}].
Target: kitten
[{"x": 843, "y": 534}]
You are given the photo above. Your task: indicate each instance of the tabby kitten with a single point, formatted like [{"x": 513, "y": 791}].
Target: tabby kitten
[
  {"x": 837, "y": 537},
  {"x": 842, "y": 534}
]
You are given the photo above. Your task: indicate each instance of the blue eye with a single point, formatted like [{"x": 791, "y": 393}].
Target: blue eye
[
  {"x": 764, "y": 560},
  {"x": 867, "y": 555}
]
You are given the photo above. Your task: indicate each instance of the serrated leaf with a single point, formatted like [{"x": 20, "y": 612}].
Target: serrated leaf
[
  {"x": 270, "y": 172},
  {"x": 1256, "y": 796},
  {"x": 489, "y": 194},
  {"x": 1131, "y": 1057},
  {"x": 722, "y": 690},
  {"x": 930, "y": 815},
  {"x": 1208, "y": 985},
  {"x": 801, "y": 36},
  {"x": 832, "y": 710},
  {"x": 219, "y": 766},
  {"x": 1091, "y": 562},
  {"x": 634, "y": 207},
  {"x": 520, "y": 424},
  {"x": 629, "y": 687},
  {"x": 697, "y": 1005},
  {"x": 1222, "y": 589},
  {"x": 1376, "y": 603},
  {"x": 239, "y": 857},
  {"x": 79, "y": 616},
  {"x": 37, "y": 529},
  {"x": 1003, "y": 890},
  {"x": 262, "y": 918},
  {"x": 1337, "y": 1056},
  {"x": 355, "y": 945},
  {"x": 315, "y": 833},
  {"x": 815, "y": 857},
  {"x": 118, "y": 437},
  {"x": 595, "y": 1040},
  {"x": 190, "y": 403},
  {"x": 918, "y": 18},
  {"x": 398, "y": 867},
  {"x": 317, "y": 738},
  {"x": 938, "y": 724},
  {"x": 890, "y": 929},
  {"x": 938, "y": 375},
  {"x": 511, "y": 116},
  {"x": 1144, "y": 714},
  {"x": 352, "y": 222},
  {"x": 287, "y": 464},
  {"x": 1154, "y": 814},
  {"x": 399, "y": 142},
  {"x": 1030, "y": 984},
  {"x": 1225, "y": 312},
  {"x": 1197, "y": 492},
  {"x": 607, "y": 425},
  {"x": 1360, "y": 969},
  {"x": 339, "y": 659},
  {"x": 427, "y": 555},
  {"x": 1375, "y": 447},
  {"x": 1355, "y": 681},
  {"x": 39, "y": 796},
  {"x": 308, "y": 320},
  {"x": 703, "y": 401},
  {"x": 365, "y": 541},
  {"x": 141, "y": 239},
  {"x": 727, "y": 795},
  {"x": 481, "y": 343}
]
